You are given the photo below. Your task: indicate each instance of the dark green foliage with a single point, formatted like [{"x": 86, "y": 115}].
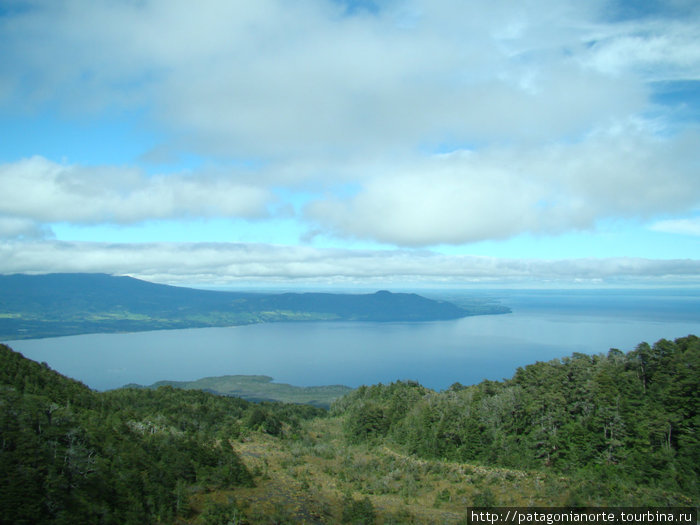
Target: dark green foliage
[
  {"x": 261, "y": 419},
  {"x": 367, "y": 421},
  {"x": 620, "y": 420},
  {"x": 71, "y": 455},
  {"x": 372, "y": 411},
  {"x": 485, "y": 498},
  {"x": 358, "y": 511},
  {"x": 26, "y": 376},
  {"x": 620, "y": 428}
]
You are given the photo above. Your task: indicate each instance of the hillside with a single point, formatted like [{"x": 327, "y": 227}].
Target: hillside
[
  {"x": 615, "y": 429},
  {"x": 66, "y": 304},
  {"x": 72, "y": 455},
  {"x": 260, "y": 388}
]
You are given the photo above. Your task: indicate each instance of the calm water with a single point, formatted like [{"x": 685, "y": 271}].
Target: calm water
[{"x": 543, "y": 325}]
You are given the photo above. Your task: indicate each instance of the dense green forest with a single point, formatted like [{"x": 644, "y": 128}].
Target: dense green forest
[
  {"x": 71, "y": 455},
  {"x": 610, "y": 429},
  {"x": 66, "y": 304},
  {"x": 625, "y": 423}
]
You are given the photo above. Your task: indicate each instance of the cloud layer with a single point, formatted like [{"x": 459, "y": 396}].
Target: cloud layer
[
  {"x": 494, "y": 194},
  {"x": 242, "y": 264},
  {"x": 37, "y": 191},
  {"x": 415, "y": 124},
  {"x": 279, "y": 79}
]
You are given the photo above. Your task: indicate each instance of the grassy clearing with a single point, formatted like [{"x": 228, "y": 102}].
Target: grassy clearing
[
  {"x": 315, "y": 477},
  {"x": 117, "y": 316}
]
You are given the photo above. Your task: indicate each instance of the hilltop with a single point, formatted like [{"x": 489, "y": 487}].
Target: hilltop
[{"x": 67, "y": 304}]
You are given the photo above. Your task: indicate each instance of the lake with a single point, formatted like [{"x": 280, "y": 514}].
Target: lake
[{"x": 545, "y": 324}]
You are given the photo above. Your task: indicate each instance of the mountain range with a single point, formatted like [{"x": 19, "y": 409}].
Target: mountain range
[{"x": 51, "y": 305}]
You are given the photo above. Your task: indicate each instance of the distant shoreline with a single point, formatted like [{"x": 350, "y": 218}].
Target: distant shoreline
[{"x": 57, "y": 305}]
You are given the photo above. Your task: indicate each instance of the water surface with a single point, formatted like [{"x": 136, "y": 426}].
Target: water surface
[{"x": 544, "y": 325}]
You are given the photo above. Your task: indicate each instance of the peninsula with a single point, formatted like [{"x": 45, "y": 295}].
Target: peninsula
[{"x": 51, "y": 305}]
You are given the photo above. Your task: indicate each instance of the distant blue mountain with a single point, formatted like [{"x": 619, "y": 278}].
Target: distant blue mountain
[{"x": 74, "y": 303}]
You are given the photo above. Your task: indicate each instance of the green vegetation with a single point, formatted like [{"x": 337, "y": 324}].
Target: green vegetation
[
  {"x": 71, "y": 455},
  {"x": 66, "y": 304},
  {"x": 622, "y": 427},
  {"x": 607, "y": 430},
  {"x": 261, "y": 388}
]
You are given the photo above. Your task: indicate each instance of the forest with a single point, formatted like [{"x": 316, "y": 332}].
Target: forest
[
  {"x": 625, "y": 423},
  {"x": 585, "y": 430}
]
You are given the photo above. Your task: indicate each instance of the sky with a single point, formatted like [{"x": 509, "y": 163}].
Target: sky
[{"x": 345, "y": 143}]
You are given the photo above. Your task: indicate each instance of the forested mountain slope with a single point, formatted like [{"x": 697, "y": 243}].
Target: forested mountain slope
[
  {"x": 65, "y": 304},
  {"x": 615, "y": 429},
  {"x": 71, "y": 455},
  {"x": 622, "y": 421}
]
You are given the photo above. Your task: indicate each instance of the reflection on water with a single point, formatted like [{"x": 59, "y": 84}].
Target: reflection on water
[{"x": 543, "y": 325}]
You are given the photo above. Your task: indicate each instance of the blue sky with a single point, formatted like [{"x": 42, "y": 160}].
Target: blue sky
[{"x": 340, "y": 143}]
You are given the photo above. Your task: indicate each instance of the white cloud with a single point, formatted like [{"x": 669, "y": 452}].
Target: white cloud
[
  {"x": 542, "y": 92},
  {"x": 276, "y": 79},
  {"x": 678, "y": 226},
  {"x": 491, "y": 194},
  {"x": 657, "y": 50},
  {"x": 239, "y": 264},
  {"x": 39, "y": 190},
  {"x": 13, "y": 227}
]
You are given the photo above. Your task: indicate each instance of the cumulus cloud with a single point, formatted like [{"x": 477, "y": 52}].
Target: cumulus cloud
[
  {"x": 550, "y": 97},
  {"x": 21, "y": 228},
  {"x": 236, "y": 264},
  {"x": 678, "y": 226},
  {"x": 39, "y": 190},
  {"x": 490, "y": 194},
  {"x": 277, "y": 78}
]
